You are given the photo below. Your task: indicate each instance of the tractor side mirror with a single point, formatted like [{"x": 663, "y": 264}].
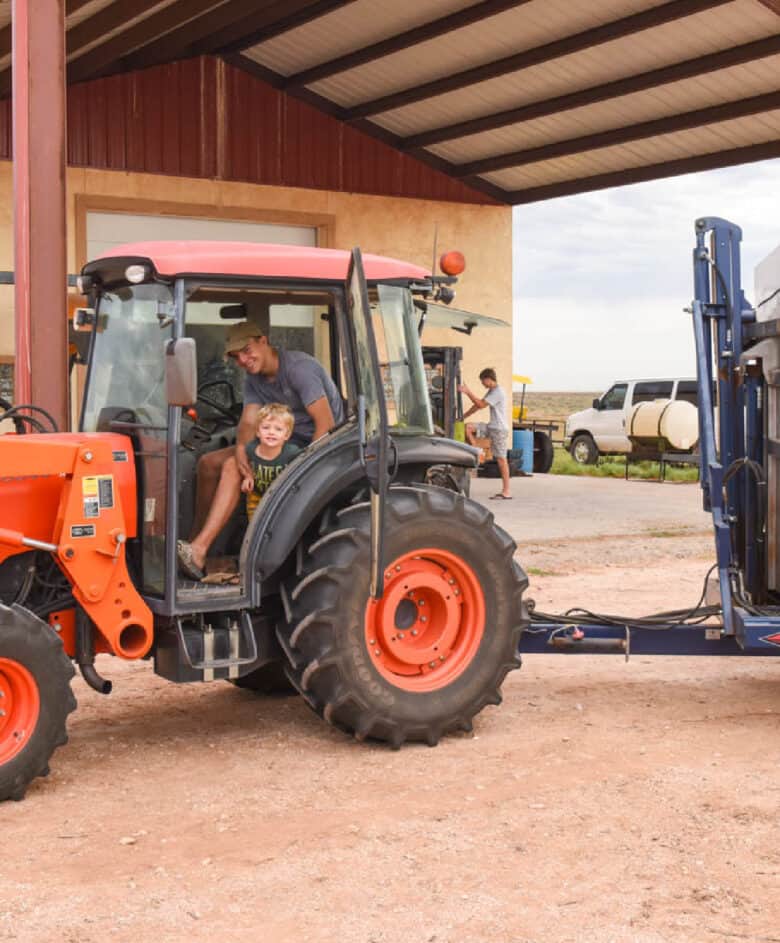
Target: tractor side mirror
[{"x": 181, "y": 372}]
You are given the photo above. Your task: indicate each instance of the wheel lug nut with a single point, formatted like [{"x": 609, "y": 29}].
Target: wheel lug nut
[
  {"x": 414, "y": 631},
  {"x": 372, "y": 641},
  {"x": 376, "y": 651},
  {"x": 432, "y": 664},
  {"x": 441, "y": 657},
  {"x": 422, "y": 602},
  {"x": 398, "y": 569},
  {"x": 401, "y": 635},
  {"x": 451, "y": 582},
  {"x": 457, "y": 592},
  {"x": 423, "y": 618}
]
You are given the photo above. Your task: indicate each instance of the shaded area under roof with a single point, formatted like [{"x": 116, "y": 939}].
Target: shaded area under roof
[{"x": 520, "y": 100}]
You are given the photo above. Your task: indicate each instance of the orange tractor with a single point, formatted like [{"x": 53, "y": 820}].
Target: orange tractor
[{"x": 367, "y": 580}]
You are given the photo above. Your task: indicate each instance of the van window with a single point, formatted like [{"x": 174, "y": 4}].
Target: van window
[
  {"x": 688, "y": 390},
  {"x": 615, "y": 397},
  {"x": 652, "y": 389}
]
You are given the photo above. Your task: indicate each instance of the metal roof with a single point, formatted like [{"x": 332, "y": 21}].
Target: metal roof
[{"x": 520, "y": 99}]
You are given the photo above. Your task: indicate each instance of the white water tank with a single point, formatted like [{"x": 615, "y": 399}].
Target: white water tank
[{"x": 665, "y": 425}]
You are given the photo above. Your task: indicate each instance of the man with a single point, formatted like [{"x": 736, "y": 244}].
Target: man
[
  {"x": 273, "y": 375},
  {"x": 498, "y": 429}
]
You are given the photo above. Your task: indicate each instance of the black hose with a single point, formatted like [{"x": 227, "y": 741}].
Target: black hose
[
  {"x": 663, "y": 621},
  {"x": 85, "y": 654}
]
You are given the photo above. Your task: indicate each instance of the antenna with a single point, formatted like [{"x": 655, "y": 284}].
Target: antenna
[{"x": 435, "y": 239}]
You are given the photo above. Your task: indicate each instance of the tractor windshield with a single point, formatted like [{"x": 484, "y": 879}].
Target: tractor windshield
[
  {"x": 127, "y": 363},
  {"x": 401, "y": 361}
]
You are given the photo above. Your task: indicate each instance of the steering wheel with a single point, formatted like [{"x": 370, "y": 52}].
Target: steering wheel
[{"x": 230, "y": 412}]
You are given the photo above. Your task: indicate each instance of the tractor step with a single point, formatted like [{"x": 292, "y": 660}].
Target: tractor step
[{"x": 195, "y": 650}]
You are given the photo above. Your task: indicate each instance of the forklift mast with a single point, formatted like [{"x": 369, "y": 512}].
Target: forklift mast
[{"x": 737, "y": 359}]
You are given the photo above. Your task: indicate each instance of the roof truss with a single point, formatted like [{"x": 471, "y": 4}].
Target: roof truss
[{"x": 120, "y": 38}]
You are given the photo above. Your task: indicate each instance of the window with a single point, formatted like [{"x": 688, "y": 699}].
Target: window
[
  {"x": 652, "y": 389},
  {"x": 614, "y": 398},
  {"x": 688, "y": 390}
]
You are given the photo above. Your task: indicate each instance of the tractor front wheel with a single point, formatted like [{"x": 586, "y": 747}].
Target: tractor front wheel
[
  {"x": 35, "y": 698},
  {"x": 433, "y": 651}
]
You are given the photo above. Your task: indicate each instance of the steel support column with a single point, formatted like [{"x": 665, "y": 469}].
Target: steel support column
[{"x": 38, "y": 65}]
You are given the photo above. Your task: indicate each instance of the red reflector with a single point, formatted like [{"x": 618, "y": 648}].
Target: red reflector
[
  {"x": 452, "y": 263},
  {"x": 192, "y": 413}
]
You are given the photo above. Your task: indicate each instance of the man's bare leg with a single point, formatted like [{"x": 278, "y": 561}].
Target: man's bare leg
[
  {"x": 225, "y": 500},
  {"x": 208, "y": 474}
]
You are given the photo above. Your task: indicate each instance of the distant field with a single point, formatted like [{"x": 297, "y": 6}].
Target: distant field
[{"x": 555, "y": 406}]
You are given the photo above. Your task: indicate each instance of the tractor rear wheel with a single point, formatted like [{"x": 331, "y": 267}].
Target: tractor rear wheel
[
  {"x": 35, "y": 698},
  {"x": 433, "y": 651}
]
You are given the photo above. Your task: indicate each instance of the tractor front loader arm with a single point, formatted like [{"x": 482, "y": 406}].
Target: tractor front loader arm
[{"x": 74, "y": 494}]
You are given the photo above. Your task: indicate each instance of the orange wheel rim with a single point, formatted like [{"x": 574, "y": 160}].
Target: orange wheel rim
[
  {"x": 425, "y": 630},
  {"x": 20, "y": 705}
]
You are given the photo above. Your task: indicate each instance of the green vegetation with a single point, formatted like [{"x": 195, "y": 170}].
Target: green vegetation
[
  {"x": 538, "y": 571},
  {"x": 615, "y": 467}
]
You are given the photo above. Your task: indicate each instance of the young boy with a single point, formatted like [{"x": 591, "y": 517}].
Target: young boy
[
  {"x": 269, "y": 453},
  {"x": 498, "y": 430}
]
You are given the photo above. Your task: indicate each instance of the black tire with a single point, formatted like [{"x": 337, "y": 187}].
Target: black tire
[
  {"x": 543, "y": 452},
  {"x": 33, "y": 664},
  {"x": 326, "y": 633},
  {"x": 268, "y": 679},
  {"x": 489, "y": 469},
  {"x": 583, "y": 449}
]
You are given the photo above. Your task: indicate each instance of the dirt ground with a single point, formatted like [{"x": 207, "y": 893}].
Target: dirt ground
[{"x": 603, "y": 801}]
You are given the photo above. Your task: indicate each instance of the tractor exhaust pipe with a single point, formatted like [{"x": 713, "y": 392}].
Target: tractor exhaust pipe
[{"x": 85, "y": 654}]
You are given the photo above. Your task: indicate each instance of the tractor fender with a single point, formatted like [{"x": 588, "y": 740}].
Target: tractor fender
[{"x": 327, "y": 468}]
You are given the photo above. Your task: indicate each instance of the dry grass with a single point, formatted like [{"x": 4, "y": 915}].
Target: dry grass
[{"x": 555, "y": 406}]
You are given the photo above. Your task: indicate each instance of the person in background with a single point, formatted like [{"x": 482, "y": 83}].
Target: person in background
[{"x": 498, "y": 430}]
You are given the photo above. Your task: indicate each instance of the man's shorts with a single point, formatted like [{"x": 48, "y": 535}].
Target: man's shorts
[{"x": 498, "y": 440}]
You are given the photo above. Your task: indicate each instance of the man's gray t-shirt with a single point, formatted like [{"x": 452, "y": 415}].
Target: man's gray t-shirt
[
  {"x": 299, "y": 382},
  {"x": 496, "y": 400}
]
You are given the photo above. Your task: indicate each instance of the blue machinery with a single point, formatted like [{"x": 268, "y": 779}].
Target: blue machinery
[{"x": 738, "y": 371}]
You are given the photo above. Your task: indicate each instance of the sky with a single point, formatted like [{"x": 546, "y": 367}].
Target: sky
[{"x": 600, "y": 279}]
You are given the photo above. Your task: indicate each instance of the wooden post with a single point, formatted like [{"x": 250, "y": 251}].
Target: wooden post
[{"x": 39, "y": 149}]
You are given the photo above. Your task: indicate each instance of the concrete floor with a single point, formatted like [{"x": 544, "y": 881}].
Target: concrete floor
[{"x": 550, "y": 507}]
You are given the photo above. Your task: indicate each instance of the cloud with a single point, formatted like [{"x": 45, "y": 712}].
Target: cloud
[{"x": 600, "y": 278}]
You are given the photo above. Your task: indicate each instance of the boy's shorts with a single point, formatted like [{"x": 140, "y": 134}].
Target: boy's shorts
[{"x": 498, "y": 440}]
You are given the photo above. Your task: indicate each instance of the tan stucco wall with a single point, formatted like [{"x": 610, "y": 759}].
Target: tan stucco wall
[{"x": 401, "y": 228}]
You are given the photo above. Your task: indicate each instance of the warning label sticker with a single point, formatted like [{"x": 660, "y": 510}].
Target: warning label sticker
[
  {"x": 98, "y": 494},
  {"x": 106, "y": 491}
]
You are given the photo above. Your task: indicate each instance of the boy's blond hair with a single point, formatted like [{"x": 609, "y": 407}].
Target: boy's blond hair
[{"x": 276, "y": 411}]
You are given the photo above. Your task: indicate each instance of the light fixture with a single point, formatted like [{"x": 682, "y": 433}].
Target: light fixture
[{"x": 135, "y": 273}]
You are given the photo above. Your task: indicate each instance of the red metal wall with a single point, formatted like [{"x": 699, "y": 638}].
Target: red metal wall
[{"x": 206, "y": 118}]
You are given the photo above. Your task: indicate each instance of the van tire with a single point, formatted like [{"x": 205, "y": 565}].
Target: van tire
[{"x": 583, "y": 450}]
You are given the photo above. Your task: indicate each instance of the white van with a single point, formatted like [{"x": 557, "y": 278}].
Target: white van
[{"x": 601, "y": 430}]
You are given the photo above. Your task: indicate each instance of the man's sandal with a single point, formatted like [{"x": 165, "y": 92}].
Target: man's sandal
[{"x": 187, "y": 566}]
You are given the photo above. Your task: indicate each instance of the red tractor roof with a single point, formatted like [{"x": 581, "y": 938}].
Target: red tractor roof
[{"x": 257, "y": 259}]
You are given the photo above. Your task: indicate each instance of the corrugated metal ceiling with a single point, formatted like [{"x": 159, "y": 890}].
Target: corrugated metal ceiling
[{"x": 523, "y": 99}]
